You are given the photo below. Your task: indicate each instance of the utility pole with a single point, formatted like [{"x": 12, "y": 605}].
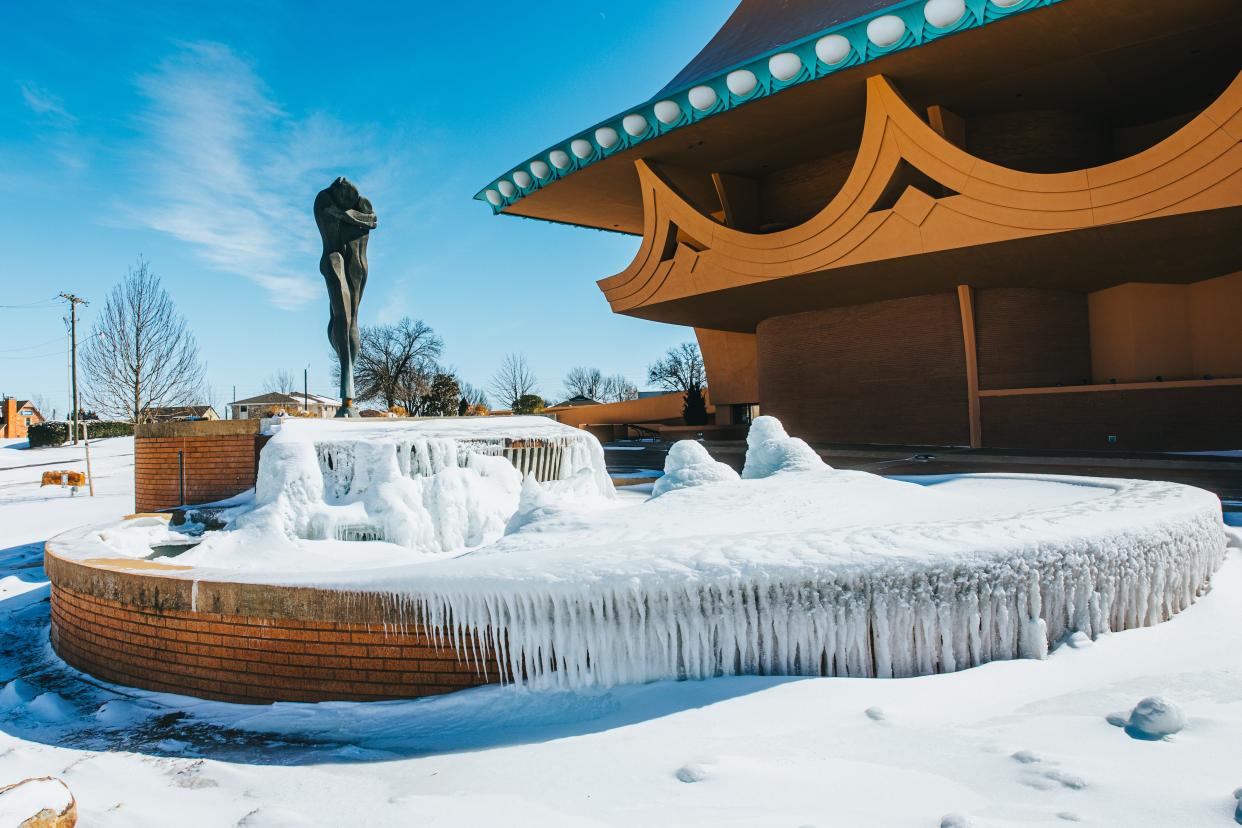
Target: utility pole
[
  {"x": 74, "y": 301},
  {"x": 305, "y": 390},
  {"x": 233, "y": 408}
]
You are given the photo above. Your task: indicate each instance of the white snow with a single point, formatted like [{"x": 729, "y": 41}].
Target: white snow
[{"x": 772, "y": 750}]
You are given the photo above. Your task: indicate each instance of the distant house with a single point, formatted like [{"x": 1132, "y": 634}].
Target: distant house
[
  {"x": 16, "y": 416},
  {"x": 265, "y": 405},
  {"x": 161, "y": 414}
]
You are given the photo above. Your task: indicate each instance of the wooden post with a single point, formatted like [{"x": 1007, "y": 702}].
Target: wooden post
[{"x": 966, "y": 302}]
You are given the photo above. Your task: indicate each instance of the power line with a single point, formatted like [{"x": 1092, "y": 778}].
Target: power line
[
  {"x": 35, "y": 356},
  {"x": 30, "y": 347},
  {"x": 40, "y": 303}
]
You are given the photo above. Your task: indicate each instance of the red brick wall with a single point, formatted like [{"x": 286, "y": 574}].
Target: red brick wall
[
  {"x": 1029, "y": 338},
  {"x": 1160, "y": 419},
  {"x": 884, "y": 372},
  {"x": 214, "y": 465},
  {"x": 250, "y": 659}
]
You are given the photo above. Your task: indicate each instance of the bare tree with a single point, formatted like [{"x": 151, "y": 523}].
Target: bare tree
[
  {"x": 617, "y": 389},
  {"x": 474, "y": 396},
  {"x": 281, "y": 382},
  {"x": 680, "y": 369},
  {"x": 140, "y": 354},
  {"x": 513, "y": 381},
  {"x": 585, "y": 382},
  {"x": 44, "y": 404},
  {"x": 396, "y": 363}
]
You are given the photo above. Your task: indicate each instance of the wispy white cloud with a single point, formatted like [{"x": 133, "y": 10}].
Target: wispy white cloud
[
  {"x": 46, "y": 105},
  {"x": 223, "y": 167}
]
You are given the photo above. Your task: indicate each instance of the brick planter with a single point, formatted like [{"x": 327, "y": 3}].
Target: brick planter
[{"x": 138, "y": 623}]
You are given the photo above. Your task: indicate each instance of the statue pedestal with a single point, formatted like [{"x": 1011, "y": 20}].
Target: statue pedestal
[{"x": 347, "y": 409}]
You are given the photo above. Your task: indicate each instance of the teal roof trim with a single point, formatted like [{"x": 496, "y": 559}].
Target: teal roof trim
[{"x": 769, "y": 73}]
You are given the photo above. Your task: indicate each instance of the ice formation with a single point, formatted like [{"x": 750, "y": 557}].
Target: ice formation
[
  {"x": 770, "y": 450},
  {"x": 689, "y": 464},
  {"x": 909, "y": 598},
  {"x": 798, "y": 569},
  {"x": 1154, "y": 718},
  {"x": 432, "y": 486}
]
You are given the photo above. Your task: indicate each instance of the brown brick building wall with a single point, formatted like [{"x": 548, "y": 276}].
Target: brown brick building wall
[
  {"x": 194, "y": 462},
  {"x": 1157, "y": 419},
  {"x": 885, "y": 372},
  {"x": 1029, "y": 338}
]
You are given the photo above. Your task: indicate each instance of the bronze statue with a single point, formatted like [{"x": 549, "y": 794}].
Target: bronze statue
[{"x": 345, "y": 220}]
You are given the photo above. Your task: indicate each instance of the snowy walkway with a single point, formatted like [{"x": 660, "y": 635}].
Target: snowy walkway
[{"x": 1020, "y": 743}]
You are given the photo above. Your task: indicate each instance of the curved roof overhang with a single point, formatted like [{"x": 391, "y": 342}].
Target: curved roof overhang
[
  {"x": 717, "y": 114},
  {"x": 1143, "y": 218}
]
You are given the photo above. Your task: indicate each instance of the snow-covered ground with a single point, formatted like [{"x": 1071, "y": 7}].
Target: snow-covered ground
[{"x": 1016, "y": 743}]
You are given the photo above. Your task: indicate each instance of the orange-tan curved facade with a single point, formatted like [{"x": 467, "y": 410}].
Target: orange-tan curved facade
[{"x": 1131, "y": 262}]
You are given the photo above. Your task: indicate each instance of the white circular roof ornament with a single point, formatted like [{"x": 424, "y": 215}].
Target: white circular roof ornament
[
  {"x": 832, "y": 49},
  {"x": 634, "y": 124},
  {"x": 668, "y": 112},
  {"x": 741, "y": 82},
  {"x": 559, "y": 159},
  {"x": 606, "y": 137},
  {"x": 886, "y": 30},
  {"x": 581, "y": 147},
  {"x": 493, "y": 198},
  {"x": 944, "y": 13},
  {"x": 540, "y": 169},
  {"x": 703, "y": 98},
  {"x": 784, "y": 66},
  {"x": 521, "y": 178},
  {"x": 506, "y": 187}
]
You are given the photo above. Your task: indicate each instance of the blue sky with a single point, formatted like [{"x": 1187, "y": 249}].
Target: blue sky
[{"x": 196, "y": 136}]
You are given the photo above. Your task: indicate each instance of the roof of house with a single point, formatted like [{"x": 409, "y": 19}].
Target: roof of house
[
  {"x": 179, "y": 411},
  {"x": 20, "y": 405},
  {"x": 576, "y": 400},
  {"x": 292, "y": 398}
]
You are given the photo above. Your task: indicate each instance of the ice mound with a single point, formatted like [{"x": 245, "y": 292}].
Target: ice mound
[
  {"x": 770, "y": 450},
  {"x": 1152, "y": 718},
  {"x": 688, "y": 464}
]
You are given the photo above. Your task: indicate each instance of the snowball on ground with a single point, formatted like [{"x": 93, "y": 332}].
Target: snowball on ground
[
  {"x": 1155, "y": 718},
  {"x": 688, "y": 464},
  {"x": 770, "y": 450}
]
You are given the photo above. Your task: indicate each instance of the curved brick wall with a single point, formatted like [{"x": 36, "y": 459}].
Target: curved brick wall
[
  {"x": 883, "y": 372},
  {"x": 289, "y": 644}
]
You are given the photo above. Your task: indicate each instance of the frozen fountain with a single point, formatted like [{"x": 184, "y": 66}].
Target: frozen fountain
[{"x": 400, "y": 558}]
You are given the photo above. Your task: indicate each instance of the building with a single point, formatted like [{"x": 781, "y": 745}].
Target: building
[
  {"x": 1001, "y": 223},
  {"x": 16, "y": 417},
  {"x": 164, "y": 414},
  {"x": 265, "y": 405}
]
